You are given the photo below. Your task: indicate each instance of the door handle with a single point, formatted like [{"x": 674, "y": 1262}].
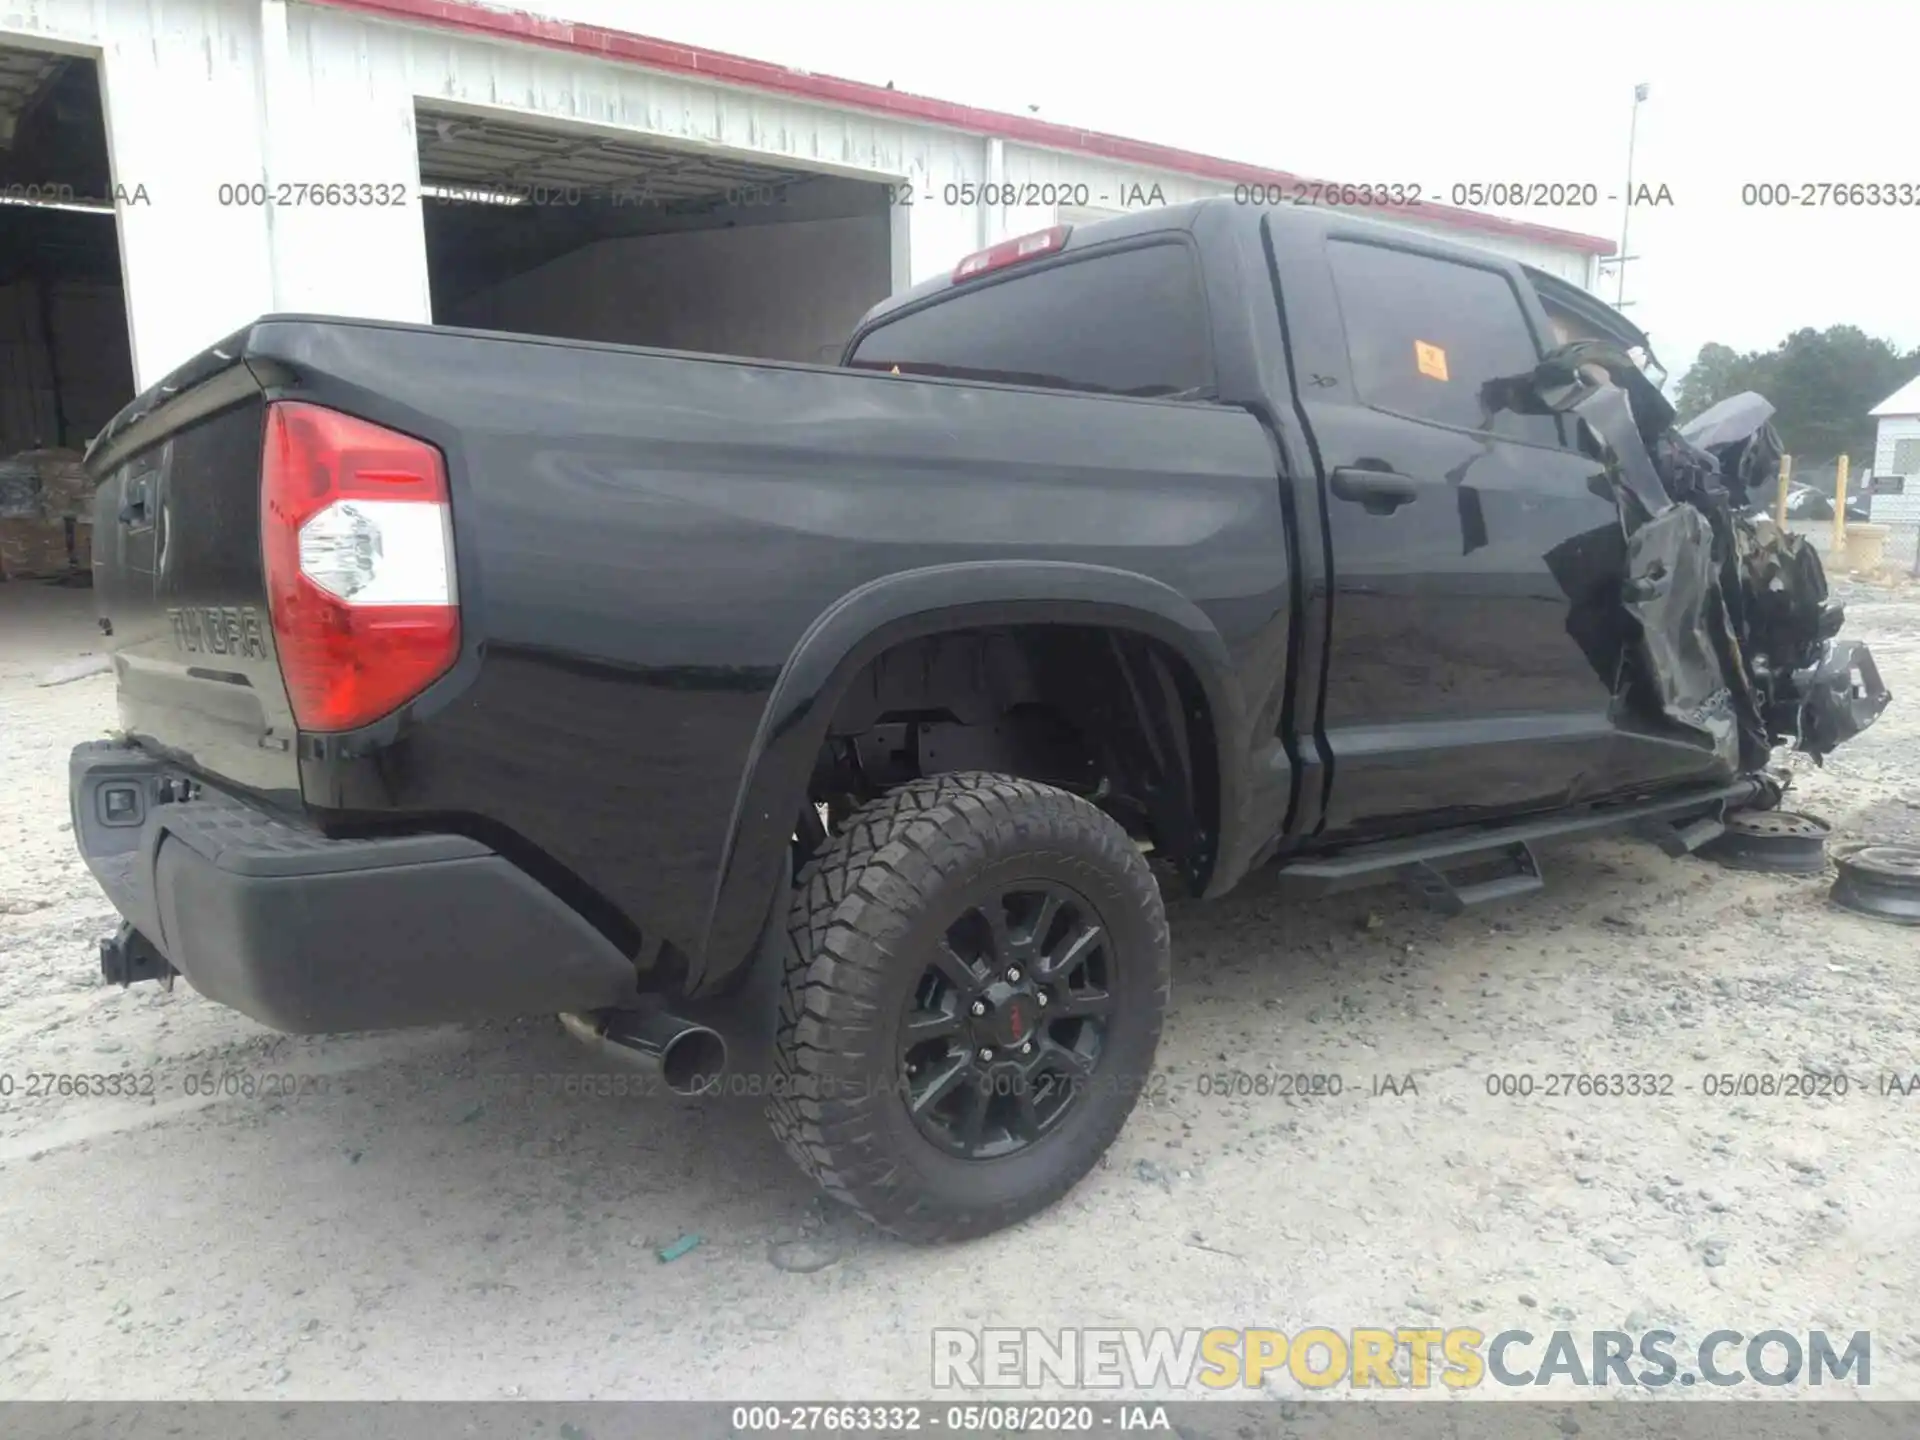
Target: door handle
[
  {"x": 134, "y": 509},
  {"x": 1379, "y": 492}
]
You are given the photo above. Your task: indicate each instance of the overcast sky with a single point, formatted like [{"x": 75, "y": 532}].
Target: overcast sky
[{"x": 1434, "y": 94}]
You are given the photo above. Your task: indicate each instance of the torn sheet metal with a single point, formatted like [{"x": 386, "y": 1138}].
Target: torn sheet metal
[
  {"x": 1745, "y": 446},
  {"x": 1672, "y": 590},
  {"x": 1730, "y": 637},
  {"x": 1729, "y": 422},
  {"x": 1843, "y": 695}
]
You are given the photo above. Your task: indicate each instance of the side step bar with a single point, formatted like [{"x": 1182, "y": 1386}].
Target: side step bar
[
  {"x": 1678, "y": 824},
  {"x": 1435, "y": 889},
  {"x": 1680, "y": 837}
]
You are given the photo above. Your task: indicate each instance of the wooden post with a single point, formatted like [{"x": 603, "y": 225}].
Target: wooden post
[
  {"x": 1780, "y": 500},
  {"x": 1840, "y": 512}
]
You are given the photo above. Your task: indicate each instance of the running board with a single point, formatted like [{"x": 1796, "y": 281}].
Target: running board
[
  {"x": 1678, "y": 824},
  {"x": 1435, "y": 889},
  {"x": 1681, "y": 837}
]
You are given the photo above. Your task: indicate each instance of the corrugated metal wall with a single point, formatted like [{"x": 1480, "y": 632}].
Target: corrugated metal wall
[
  {"x": 378, "y": 69},
  {"x": 206, "y": 93},
  {"x": 1904, "y": 508},
  {"x": 180, "y": 83}
]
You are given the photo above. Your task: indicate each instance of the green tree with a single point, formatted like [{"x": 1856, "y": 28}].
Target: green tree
[
  {"x": 1714, "y": 375},
  {"x": 1822, "y": 383}
]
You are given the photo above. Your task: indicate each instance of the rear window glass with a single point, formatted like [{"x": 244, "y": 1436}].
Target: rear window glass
[{"x": 1132, "y": 322}]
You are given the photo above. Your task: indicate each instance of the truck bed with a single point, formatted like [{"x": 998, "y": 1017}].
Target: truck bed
[{"x": 643, "y": 538}]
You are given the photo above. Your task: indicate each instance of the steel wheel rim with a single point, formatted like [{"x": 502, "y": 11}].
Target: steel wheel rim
[
  {"x": 1881, "y": 881},
  {"x": 1782, "y": 842},
  {"x": 1009, "y": 1020}
]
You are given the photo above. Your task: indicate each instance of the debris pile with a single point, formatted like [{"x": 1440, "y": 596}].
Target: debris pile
[{"x": 46, "y": 515}]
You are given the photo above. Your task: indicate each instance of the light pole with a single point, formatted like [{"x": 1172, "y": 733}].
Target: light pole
[{"x": 1626, "y": 209}]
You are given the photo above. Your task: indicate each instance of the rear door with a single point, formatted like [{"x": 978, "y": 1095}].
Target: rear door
[{"x": 1470, "y": 656}]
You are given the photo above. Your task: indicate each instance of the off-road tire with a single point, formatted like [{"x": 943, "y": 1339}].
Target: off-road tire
[{"x": 864, "y": 911}]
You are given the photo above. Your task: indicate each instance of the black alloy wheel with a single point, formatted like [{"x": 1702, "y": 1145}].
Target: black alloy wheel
[
  {"x": 1007, "y": 1026},
  {"x": 975, "y": 972}
]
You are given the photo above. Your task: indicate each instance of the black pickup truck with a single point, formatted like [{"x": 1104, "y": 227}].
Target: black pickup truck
[{"x": 466, "y": 675}]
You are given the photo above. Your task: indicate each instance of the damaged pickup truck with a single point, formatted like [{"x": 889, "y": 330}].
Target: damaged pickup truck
[{"x": 467, "y": 675}]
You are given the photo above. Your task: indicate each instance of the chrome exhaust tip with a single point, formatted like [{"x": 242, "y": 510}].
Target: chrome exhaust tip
[{"x": 688, "y": 1057}]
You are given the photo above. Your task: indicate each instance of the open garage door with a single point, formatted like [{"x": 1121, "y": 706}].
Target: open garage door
[
  {"x": 551, "y": 231},
  {"x": 66, "y": 362}
]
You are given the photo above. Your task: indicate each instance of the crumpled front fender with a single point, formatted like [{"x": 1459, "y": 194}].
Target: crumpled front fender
[{"x": 1841, "y": 695}]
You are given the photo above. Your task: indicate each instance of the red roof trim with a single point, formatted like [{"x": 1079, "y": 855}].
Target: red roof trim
[{"x": 717, "y": 66}]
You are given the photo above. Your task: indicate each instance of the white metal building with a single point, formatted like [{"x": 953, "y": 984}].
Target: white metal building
[
  {"x": 1896, "y": 457},
  {"x": 667, "y": 195}
]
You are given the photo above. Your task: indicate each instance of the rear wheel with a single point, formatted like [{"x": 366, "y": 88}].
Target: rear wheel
[{"x": 976, "y": 972}]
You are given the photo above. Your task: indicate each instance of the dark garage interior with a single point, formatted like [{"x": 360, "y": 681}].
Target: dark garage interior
[
  {"x": 66, "y": 362},
  {"x": 548, "y": 231}
]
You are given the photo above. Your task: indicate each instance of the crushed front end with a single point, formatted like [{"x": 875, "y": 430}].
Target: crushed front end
[{"x": 1734, "y": 637}]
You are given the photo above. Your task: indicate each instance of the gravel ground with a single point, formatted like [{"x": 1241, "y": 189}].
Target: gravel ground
[{"x": 422, "y": 1221}]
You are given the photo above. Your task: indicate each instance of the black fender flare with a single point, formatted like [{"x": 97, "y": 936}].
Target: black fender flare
[{"x": 883, "y": 613}]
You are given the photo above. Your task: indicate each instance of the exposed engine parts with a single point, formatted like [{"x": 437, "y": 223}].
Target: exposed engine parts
[{"x": 1731, "y": 639}]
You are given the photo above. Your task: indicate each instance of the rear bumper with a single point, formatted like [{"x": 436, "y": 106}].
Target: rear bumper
[{"x": 308, "y": 934}]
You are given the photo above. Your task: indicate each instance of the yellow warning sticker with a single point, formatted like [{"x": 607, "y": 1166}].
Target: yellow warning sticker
[{"x": 1431, "y": 359}]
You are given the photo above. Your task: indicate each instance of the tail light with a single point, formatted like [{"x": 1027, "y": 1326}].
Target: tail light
[
  {"x": 358, "y": 543},
  {"x": 1011, "y": 252}
]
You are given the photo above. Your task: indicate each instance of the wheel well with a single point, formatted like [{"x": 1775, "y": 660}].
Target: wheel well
[{"x": 1112, "y": 714}]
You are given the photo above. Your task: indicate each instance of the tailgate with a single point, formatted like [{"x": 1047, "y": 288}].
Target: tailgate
[{"x": 179, "y": 578}]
